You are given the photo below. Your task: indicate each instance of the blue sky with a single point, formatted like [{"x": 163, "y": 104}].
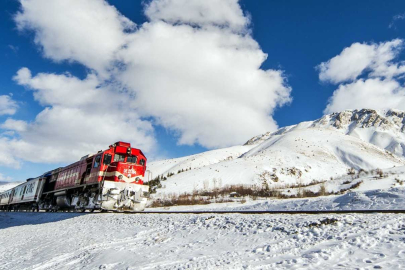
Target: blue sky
[{"x": 297, "y": 36}]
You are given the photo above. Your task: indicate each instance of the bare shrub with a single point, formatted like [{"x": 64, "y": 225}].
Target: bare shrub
[
  {"x": 379, "y": 173},
  {"x": 351, "y": 171},
  {"x": 206, "y": 184},
  {"x": 355, "y": 185},
  {"x": 361, "y": 172},
  {"x": 400, "y": 182},
  {"x": 184, "y": 199},
  {"x": 322, "y": 189}
]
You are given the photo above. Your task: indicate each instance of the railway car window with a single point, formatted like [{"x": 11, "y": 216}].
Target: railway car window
[
  {"x": 97, "y": 162},
  {"x": 119, "y": 158},
  {"x": 131, "y": 159},
  {"x": 142, "y": 162},
  {"x": 107, "y": 159}
]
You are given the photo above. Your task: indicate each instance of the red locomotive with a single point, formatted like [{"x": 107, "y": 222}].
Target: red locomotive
[{"x": 109, "y": 180}]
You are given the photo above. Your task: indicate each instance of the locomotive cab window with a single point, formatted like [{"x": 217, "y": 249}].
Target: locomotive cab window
[
  {"x": 119, "y": 158},
  {"x": 107, "y": 159},
  {"x": 97, "y": 162},
  {"x": 142, "y": 162},
  {"x": 131, "y": 159}
]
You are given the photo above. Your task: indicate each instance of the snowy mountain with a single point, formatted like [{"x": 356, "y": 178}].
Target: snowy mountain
[
  {"x": 305, "y": 153},
  {"x": 385, "y": 129}
]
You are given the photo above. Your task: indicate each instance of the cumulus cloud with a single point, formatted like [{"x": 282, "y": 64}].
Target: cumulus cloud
[
  {"x": 7, "y": 105},
  {"x": 14, "y": 125},
  {"x": 192, "y": 68},
  {"x": 5, "y": 178},
  {"x": 7, "y": 157},
  {"x": 360, "y": 57},
  {"x": 205, "y": 83},
  {"x": 89, "y": 32},
  {"x": 201, "y": 13},
  {"x": 370, "y": 93},
  {"x": 367, "y": 75},
  {"x": 199, "y": 73},
  {"x": 80, "y": 117}
]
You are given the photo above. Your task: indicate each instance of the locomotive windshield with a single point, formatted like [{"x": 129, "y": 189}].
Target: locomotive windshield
[
  {"x": 107, "y": 159},
  {"x": 131, "y": 159},
  {"x": 119, "y": 158}
]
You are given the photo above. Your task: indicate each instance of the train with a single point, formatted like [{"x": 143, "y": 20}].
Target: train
[{"x": 110, "y": 180}]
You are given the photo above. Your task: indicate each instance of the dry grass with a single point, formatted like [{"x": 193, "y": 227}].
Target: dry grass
[{"x": 222, "y": 194}]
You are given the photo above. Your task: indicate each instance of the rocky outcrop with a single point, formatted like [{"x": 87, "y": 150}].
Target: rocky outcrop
[{"x": 385, "y": 129}]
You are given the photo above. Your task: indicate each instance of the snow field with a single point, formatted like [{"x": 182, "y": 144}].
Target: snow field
[{"x": 233, "y": 241}]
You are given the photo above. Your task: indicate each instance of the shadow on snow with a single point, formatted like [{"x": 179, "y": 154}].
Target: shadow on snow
[{"x": 12, "y": 219}]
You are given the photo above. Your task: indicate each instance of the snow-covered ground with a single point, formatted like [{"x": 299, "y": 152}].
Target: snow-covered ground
[{"x": 233, "y": 241}]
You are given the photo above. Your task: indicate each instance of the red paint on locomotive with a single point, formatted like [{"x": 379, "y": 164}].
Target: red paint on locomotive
[{"x": 119, "y": 163}]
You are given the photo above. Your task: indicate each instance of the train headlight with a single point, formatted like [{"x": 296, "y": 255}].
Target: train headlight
[
  {"x": 137, "y": 179},
  {"x": 120, "y": 177}
]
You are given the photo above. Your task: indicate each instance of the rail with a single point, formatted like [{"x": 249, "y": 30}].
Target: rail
[{"x": 271, "y": 212}]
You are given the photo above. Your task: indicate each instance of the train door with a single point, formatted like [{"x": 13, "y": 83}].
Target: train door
[
  {"x": 95, "y": 170},
  {"x": 23, "y": 192},
  {"x": 11, "y": 197},
  {"x": 50, "y": 181},
  {"x": 89, "y": 162}
]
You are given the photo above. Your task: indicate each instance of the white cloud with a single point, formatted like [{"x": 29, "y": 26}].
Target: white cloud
[
  {"x": 7, "y": 105},
  {"x": 193, "y": 68},
  {"x": 5, "y": 178},
  {"x": 368, "y": 76},
  {"x": 202, "y": 13},
  {"x": 205, "y": 83},
  {"x": 89, "y": 32},
  {"x": 370, "y": 93},
  {"x": 395, "y": 19},
  {"x": 81, "y": 116},
  {"x": 7, "y": 157},
  {"x": 360, "y": 57},
  {"x": 14, "y": 125}
]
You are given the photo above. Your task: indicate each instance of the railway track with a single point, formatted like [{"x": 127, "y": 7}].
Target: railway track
[
  {"x": 279, "y": 212},
  {"x": 287, "y": 212}
]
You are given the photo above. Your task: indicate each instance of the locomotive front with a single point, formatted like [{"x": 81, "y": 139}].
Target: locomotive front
[{"x": 121, "y": 179}]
